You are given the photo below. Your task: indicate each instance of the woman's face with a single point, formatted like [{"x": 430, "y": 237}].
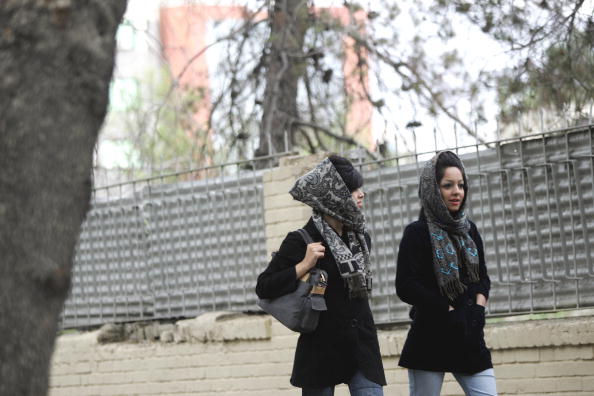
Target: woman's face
[
  {"x": 451, "y": 187},
  {"x": 358, "y": 195}
]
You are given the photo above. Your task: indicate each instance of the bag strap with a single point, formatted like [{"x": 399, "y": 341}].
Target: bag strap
[
  {"x": 305, "y": 235},
  {"x": 308, "y": 239}
]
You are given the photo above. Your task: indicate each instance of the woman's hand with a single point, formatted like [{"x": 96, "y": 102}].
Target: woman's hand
[
  {"x": 313, "y": 253},
  {"x": 481, "y": 299}
]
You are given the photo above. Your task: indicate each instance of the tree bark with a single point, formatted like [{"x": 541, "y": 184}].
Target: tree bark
[
  {"x": 286, "y": 65},
  {"x": 56, "y": 61}
]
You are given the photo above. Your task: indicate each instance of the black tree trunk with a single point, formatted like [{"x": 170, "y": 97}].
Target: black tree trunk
[
  {"x": 56, "y": 61},
  {"x": 286, "y": 65}
]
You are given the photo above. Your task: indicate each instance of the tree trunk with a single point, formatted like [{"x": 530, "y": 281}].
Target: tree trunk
[
  {"x": 286, "y": 65},
  {"x": 56, "y": 61}
]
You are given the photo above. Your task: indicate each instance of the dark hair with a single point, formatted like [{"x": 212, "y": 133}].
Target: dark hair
[
  {"x": 445, "y": 160},
  {"x": 349, "y": 174}
]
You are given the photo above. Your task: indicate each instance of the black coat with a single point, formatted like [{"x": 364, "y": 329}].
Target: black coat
[
  {"x": 345, "y": 339},
  {"x": 438, "y": 339}
]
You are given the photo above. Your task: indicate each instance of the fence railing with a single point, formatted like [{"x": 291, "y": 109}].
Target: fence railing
[
  {"x": 175, "y": 245},
  {"x": 183, "y": 244},
  {"x": 532, "y": 200}
]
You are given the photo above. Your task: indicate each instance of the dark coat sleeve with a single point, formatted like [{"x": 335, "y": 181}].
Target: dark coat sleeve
[
  {"x": 484, "y": 283},
  {"x": 368, "y": 240},
  {"x": 280, "y": 277},
  {"x": 411, "y": 281}
]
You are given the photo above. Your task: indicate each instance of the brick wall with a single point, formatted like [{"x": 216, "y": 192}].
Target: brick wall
[
  {"x": 233, "y": 355},
  {"x": 282, "y": 213}
]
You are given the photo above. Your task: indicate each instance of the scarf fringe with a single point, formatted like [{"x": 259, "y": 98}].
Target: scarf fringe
[
  {"x": 473, "y": 273},
  {"x": 452, "y": 289}
]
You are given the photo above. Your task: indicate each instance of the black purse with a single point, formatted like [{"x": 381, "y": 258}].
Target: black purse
[{"x": 300, "y": 310}]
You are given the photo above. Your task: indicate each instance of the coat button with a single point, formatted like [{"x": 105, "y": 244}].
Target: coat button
[
  {"x": 354, "y": 323},
  {"x": 469, "y": 301}
]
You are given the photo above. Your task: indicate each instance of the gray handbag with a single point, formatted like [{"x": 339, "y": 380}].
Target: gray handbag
[{"x": 300, "y": 310}]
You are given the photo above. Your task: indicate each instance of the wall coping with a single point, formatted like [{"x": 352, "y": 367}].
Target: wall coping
[
  {"x": 561, "y": 314},
  {"x": 221, "y": 327},
  {"x": 527, "y": 331}
]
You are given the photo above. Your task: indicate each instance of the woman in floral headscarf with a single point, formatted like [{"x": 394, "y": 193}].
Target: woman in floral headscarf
[
  {"x": 441, "y": 272},
  {"x": 344, "y": 347}
]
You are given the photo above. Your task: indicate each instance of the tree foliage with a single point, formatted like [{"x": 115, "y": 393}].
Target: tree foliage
[
  {"x": 161, "y": 128},
  {"x": 551, "y": 46},
  {"x": 284, "y": 83}
]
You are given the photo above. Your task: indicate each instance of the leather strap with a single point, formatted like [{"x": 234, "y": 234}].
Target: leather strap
[{"x": 305, "y": 235}]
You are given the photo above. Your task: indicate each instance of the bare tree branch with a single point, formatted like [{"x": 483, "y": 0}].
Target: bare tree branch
[
  {"x": 312, "y": 148},
  {"x": 247, "y": 26},
  {"x": 345, "y": 139},
  {"x": 427, "y": 93}
]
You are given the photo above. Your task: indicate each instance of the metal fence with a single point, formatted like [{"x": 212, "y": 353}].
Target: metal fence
[
  {"x": 532, "y": 200},
  {"x": 170, "y": 246},
  {"x": 180, "y": 245}
]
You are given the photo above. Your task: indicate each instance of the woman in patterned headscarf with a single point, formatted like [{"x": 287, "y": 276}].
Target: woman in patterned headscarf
[
  {"x": 344, "y": 347},
  {"x": 441, "y": 272}
]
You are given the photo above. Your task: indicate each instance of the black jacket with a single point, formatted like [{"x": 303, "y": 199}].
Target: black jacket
[
  {"x": 438, "y": 339},
  {"x": 345, "y": 339}
]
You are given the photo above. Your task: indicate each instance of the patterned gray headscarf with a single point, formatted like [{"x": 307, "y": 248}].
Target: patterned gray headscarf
[
  {"x": 451, "y": 244},
  {"x": 323, "y": 189}
]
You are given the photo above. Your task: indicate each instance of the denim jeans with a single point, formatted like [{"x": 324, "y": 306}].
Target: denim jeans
[
  {"x": 358, "y": 386},
  {"x": 428, "y": 383}
]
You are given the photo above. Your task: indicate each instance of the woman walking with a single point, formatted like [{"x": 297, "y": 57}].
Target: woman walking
[
  {"x": 344, "y": 347},
  {"x": 441, "y": 272}
]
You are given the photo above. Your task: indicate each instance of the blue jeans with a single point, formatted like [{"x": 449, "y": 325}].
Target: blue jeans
[
  {"x": 428, "y": 383},
  {"x": 358, "y": 386}
]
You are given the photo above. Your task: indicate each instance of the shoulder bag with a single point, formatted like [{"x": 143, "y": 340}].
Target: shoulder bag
[{"x": 300, "y": 310}]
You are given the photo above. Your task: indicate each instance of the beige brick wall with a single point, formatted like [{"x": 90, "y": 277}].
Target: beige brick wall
[
  {"x": 235, "y": 355},
  {"x": 282, "y": 213}
]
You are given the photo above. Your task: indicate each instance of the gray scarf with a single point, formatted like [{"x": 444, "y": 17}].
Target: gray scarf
[
  {"x": 323, "y": 189},
  {"x": 451, "y": 244}
]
